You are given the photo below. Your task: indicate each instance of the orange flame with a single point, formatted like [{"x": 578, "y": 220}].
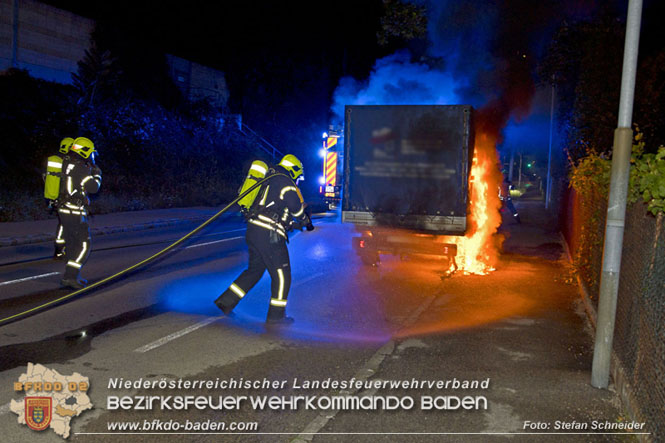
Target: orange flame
[{"x": 478, "y": 250}]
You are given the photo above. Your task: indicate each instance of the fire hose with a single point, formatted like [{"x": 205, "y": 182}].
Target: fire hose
[{"x": 144, "y": 262}]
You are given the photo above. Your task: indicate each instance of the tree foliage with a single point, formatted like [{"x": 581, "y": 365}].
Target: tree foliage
[
  {"x": 647, "y": 177},
  {"x": 402, "y": 20},
  {"x": 96, "y": 75},
  {"x": 590, "y": 177},
  {"x": 128, "y": 68},
  {"x": 151, "y": 156},
  {"x": 584, "y": 62}
]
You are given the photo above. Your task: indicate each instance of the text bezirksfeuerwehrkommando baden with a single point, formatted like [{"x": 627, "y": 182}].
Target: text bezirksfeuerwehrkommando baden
[
  {"x": 343, "y": 399},
  {"x": 293, "y": 402}
]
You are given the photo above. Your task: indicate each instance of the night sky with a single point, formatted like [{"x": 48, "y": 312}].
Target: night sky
[
  {"x": 238, "y": 36},
  {"x": 476, "y": 52}
]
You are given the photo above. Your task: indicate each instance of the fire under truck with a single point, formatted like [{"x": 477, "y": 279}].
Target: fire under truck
[
  {"x": 330, "y": 183},
  {"x": 406, "y": 178}
]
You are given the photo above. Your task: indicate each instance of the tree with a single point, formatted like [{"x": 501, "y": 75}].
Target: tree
[
  {"x": 96, "y": 75},
  {"x": 650, "y": 104},
  {"x": 136, "y": 68},
  {"x": 402, "y": 20},
  {"x": 582, "y": 62}
]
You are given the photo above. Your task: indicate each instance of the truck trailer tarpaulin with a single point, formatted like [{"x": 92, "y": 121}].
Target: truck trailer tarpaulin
[{"x": 407, "y": 166}]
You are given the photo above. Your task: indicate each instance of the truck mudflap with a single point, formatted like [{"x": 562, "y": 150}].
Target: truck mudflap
[{"x": 372, "y": 243}]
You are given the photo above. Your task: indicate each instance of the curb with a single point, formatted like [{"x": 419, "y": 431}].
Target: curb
[
  {"x": 102, "y": 230},
  {"x": 105, "y": 230},
  {"x": 621, "y": 381}
]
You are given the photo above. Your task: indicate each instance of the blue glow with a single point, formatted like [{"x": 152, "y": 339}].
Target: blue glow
[
  {"x": 322, "y": 152},
  {"x": 322, "y": 180},
  {"x": 529, "y": 136},
  {"x": 395, "y": 80},
  {"x": 363, "y": 320},
  {"x": 196, "y": 295}
]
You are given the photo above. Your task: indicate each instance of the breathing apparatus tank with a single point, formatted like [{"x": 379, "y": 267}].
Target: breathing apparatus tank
[{"x": 257, "y": 171}]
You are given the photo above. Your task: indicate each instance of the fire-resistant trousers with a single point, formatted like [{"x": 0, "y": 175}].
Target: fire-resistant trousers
[
  {"x": 59, "y": 239},
  {"x": 78, "y": 242},
  {"x": 267, "y": 250}
]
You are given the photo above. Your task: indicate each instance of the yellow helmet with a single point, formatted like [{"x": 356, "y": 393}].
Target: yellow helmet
[
  {"x": 65, "y": 144},
  {"x": 291, "y": 163},
  {"x": 83, "y": 147}
]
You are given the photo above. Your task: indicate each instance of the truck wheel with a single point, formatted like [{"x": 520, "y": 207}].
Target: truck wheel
[{"x": 370, "y": 259}]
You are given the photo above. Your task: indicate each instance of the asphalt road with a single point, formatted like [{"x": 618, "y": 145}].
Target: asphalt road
[{"x": 517, "y": 328}]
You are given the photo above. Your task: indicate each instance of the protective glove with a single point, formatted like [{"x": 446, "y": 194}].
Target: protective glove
[{"x": 309, "y": 225}]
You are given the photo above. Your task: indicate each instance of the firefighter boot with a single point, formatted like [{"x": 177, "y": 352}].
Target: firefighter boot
[
  {"x": 277, "y": 316},
  {"x": 72, "y": 279},
  {"x": 227, "y": 301},
  {"x": 59, "y": 253}
]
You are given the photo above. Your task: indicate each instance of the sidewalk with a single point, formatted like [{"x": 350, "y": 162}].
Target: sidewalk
[
  {"x": 523, "y": 329},
  {"x": 19, "y": 233}
]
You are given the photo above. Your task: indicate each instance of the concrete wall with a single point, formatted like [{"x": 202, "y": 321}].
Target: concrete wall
[
  {"x": 198, "y": 81},
  {"x": 45, "y": 40},
  {"x": 49, "y": 42}
]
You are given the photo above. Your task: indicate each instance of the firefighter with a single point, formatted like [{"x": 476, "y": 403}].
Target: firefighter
[
  {"x": 504, "y": 196},
  {"x": 81, "y": 177},
  {"x": 52, "y": 182},
  {"x": 278, "y": 208}
]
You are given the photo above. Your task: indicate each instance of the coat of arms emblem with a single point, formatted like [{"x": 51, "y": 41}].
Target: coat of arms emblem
[{"x": 38, "y": 412}]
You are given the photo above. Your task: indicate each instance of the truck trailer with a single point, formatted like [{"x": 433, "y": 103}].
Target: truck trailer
[{"x": 406, "y": 178}]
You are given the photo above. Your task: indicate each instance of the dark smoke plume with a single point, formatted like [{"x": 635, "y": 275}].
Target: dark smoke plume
[{"x": 486, "y": 52}]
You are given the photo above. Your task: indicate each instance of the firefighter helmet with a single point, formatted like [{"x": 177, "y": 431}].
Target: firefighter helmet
[
  {"x": 65, "y": 144},
  {"x": 83, "y": 147},
  {"x": 294, "y": 167}
]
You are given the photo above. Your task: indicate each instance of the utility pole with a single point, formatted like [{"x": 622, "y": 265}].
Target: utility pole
[
  {"x": 519, "y": 174},
  {"x": 549, "y": 153},
  {"x": 616, "y": 205},
  {"x": 512, "y": 162}
]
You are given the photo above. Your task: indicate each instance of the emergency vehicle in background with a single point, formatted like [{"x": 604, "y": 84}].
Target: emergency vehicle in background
[{"x": 332, "y": 152}]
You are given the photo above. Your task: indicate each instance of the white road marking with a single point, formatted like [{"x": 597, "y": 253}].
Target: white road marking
[
  {"x": 368, "y": 370},
  {"x": 5, "y": 408},
  {"x": 28, "y": 278},
  {"x": 310, "y": 278},
  {"x": 213, "y": 242},
  {"x": 175, "y": 335},
  {"x": 223, "y": 232},
  {"x": 194, "y": 327}
]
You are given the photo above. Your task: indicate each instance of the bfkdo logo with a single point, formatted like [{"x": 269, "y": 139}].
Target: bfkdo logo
[
  {"x": 50, "y": 399},
  {"x": 38, "y": 412}
]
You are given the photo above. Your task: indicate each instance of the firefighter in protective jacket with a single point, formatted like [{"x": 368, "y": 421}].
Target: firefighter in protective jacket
[
  {"x": 80, "y": 177},
  {"x": 277, "y": 209}
]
